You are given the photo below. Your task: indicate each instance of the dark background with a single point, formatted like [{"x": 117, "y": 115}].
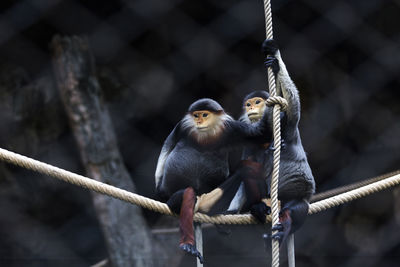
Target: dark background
[{"x": 153, "y": 59}]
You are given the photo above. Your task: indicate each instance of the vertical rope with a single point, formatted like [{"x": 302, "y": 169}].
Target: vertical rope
[{"x": 277, "y": 140}]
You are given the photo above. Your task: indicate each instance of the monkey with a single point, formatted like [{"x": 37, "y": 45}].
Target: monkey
[
  {"x": 252, "y": 189},
  {"x": 194, "y": 161},
  {"x": 296, "y": 182},
  {"x": 251, "y": 194}
]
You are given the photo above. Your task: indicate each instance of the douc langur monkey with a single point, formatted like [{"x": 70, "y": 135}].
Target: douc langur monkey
[
  {"x": 253, "y": 188},
  {"x": 296, "y": 182},
  {"x": 194, "y": 161}
]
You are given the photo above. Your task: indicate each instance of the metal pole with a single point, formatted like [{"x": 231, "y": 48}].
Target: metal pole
[
  {"x": 199, "y": 241},
  {"x": 290, "y": 251}
]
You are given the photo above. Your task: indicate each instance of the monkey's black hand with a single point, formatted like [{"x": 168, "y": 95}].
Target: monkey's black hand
[
  {"x": 272, "y": 62},
  {"x": 191, "y": 249},
  {"x": 269, "y": 47},
  {"x": 260, "y": 211}
]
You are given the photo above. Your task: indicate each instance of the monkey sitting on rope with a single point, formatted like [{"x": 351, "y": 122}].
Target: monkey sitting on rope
[{"x": 194, "y": 161}]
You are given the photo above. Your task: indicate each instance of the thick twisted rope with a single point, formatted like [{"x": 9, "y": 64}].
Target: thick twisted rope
[
  {"x": 354, "y": 194},
  {"x": 102, "y": 188},
  {"x": 154, "y": 205},
  {"x": 277, "y": 139},
  {"x": 346, "y": 188}
]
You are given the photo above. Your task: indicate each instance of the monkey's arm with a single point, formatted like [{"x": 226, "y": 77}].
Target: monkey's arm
[
  {"x": 240, "y": 133},
  {"x": 168, "y": 146},
  {"x": 290, "y": 93},
  {"x": 284, "y": 86}
]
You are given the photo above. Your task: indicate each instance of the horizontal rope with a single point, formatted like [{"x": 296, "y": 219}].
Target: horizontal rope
[
  {"x": 346, "y": 188},
  {"x": 157, "y": 206},
  {"x": 354, "y": 194},
  {"x": 118, "y": 193}
]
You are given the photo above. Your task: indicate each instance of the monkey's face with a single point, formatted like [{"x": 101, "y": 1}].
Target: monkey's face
[
  {"x": 255, "y": 108},
  {"x": 204, "y": 120}
]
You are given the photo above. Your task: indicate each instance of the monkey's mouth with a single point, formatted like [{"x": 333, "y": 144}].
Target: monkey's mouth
[
  {"x": 253, "y": 114},
  {"x": 202, "y": 128}
]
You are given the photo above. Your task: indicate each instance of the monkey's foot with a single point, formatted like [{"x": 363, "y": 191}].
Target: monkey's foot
[
  {"x": 191, "y": 249},
  {"x": 272, "y": 62},
  {"x": 279, "y": 236},
  {"x": 283, "y": 227},
  {"x": 269, "y": 47}
]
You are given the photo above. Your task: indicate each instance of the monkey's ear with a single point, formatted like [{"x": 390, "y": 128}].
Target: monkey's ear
[{"x": 269, "y": 47}]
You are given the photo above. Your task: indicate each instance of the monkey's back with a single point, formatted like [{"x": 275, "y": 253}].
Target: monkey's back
[{"x": 186, "y": 165}]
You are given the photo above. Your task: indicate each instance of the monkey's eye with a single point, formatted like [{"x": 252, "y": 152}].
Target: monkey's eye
[
  {"x": 196, "y": 115},
  {"x": 258, "y": 102},
  {"x": 205, "y": 115},
  {"x": 248, "y": 104}
]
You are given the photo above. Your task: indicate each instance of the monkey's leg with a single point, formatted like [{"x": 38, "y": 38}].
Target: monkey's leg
[
  {"x": 187, "y": 242},
  {"x": 218, "y": 200},
  {"x": 291, "y": 217},
  {"x": 256, "y": 190}
]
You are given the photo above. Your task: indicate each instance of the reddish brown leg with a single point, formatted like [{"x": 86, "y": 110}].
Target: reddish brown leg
[{"x": 187, "y": 242}]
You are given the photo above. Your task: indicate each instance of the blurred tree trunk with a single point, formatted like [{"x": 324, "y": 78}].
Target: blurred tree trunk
[{"x": 126, "y": 233}]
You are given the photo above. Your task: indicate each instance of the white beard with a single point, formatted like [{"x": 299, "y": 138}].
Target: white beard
[{"x": 208, "y": 135}]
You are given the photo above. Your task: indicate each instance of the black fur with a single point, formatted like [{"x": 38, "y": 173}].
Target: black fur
[
  {"x": 263, "y": 94},
  {"x": 205, "y": 104},
  {"x": 269, "y": 47}
]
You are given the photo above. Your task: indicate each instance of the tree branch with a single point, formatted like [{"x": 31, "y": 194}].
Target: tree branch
[{"x": 125, "y": 230}]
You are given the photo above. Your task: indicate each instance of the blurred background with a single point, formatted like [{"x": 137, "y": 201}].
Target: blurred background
[{"x": 153, "y": 59}]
